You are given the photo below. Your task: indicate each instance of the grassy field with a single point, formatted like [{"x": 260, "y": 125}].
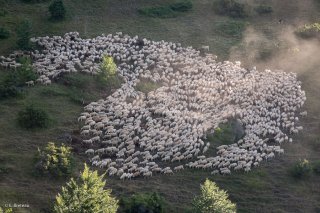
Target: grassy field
[{"x": 256, "y": 40}]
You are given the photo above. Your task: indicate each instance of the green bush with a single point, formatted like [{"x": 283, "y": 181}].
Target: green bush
[
  {"x": 3, "y": 12},
  {"x": 24, "y": 35},
  {"x": 4, "y": 33},
  {"x": 309, "y": 31},
  {"x": 6, "y": 210},
  {"x": 212, "y": 199},
  {"x": 301, "y": 169},
  {"x": 233, "y": 28},
  {"x": 263, "y": 9},
  {"x": 54, "y": 160},
  {"x": 32, "y": 117},
  {"x": 9, "y": 92},
  {"x": 143, "y": 203},
  {"x": 108, "y": 72},
  {"x": 21, "y": 75},
  {"x": 316, "y": 167},
  {"x": 87, "y": 195},
  {"x": 167, "y": 11},
  {"x": 231, "y": 8},
  {"x": 183, "y": 6},
  {"x": 57, "y": 10}
]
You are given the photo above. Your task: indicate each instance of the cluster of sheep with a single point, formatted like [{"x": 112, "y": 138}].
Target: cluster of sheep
[{"x": 132, "y": 133}]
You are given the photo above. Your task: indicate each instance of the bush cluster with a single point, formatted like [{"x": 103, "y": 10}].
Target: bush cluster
[
  {"x": 167, "y": 11},
  {"x": 4, "y": 33},
  {"x": 301, "y": 169},
  {"x": 143, "y": 203},
  {"x": 31, "y": 117},
  {"x": 108, "y": 72},
  {"x": 12, "y": 82},
  {"x": 309, "y": 31},
  {"x": 24, "y": 35},
  {"x": 57, "y": 10},
  {"x": 231, "y": 8},
  {"x": 54, "y": 160}
]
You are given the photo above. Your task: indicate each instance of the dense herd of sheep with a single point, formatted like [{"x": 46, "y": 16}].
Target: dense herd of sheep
[{"x": 132, "y": 133}]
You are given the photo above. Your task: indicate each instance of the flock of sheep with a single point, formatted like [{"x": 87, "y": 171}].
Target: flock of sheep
[{"x": 132, "y": 133}]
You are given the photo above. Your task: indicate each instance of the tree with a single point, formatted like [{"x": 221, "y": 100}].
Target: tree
[
  {"x": 213, "y": 200},
  {"x": 57, "y": 10},
  {"x": 55, "y": 160},
  {"x": 24, "y": 34},
  {"x": 8, "y": 210},
  {"x": 86, "y": 196},
  {"x": 108, "y": 67}
]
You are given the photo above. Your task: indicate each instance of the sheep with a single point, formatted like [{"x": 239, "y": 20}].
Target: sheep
[{"x": 197, "y": 95}]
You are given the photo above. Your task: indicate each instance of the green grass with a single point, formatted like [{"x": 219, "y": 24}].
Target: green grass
[{"x": 266, "y": 188}]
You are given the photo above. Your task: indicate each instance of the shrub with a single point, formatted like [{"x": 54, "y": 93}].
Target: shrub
[
  {"x": 54, "y": 160},
  {"x": 108, "y": 72},
  {"x": 316, "y": 167},
  {"x": 87, "y": 195},
  {"x": 143, "y": 203},
  {"x": 167, "y": 11},
  {"x": 24, "y": 34},
  {"x": 263, "y": 9},
  {"x": 9, "y": 91},
  {"x": 231, "y": 8},
  {"x": 6, "y": 210},
  {"x": 3, "y": 12},
  {"x": 309, "y": 31},
  {"x": 213, "y": 199},
  {"x": 57, "y": 10},
  {"x": 4, "y": 33},
  {"x": 182, "y": 6},
  {"x": 32, "y": 117},
  {"x": 301, "y": 169},
  {"x": 23, "y": 74},
  {"x": 233, "y": 28}
]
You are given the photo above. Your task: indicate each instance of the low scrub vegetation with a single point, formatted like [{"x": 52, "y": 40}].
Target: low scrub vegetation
[
  {"x": 6, "y": 210},
  {"x": 3, "y": 12},
  {"x": 12, "y": 82},
  {"x": 24, "y": 35},
  {"x": 32, "y": 117},
  {"x": 309, "y": 31},
  {"x": 263, "y": 9},
  {"x": 86, "y": 195},
  {"x": 143, "y": 203},
  {"x": 213, "y": 199},
  {"x": 233, "y": 28},
  {"x": 4, "y": 33},
  {"x": 316, "y": 167},
  {"x": 54, "y": 160},
  {"x": 57, "y": 10},
  {"x": 301, "y": 169},
  {"x": 167, "y": 11},
  {"x": 232, "y": 8}
]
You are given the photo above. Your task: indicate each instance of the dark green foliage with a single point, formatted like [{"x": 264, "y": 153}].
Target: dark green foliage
[
  {"x": 316, "y": 167},
  {"x": 21, "y": 75},
  {"x": 231, "y": 8},
  {"x": 213, "y": 200},
  {"x": 3, "y": 12},
  {"x": 87, "y": 195},
  {"x": 301, "y": 169},
  {"x": 4, "y": 33},
  {"x": 54, "y": 160},
  {"x": 32, "y": 117},
  {"x": 143, "y": 203},
  {"x": 167, "y": 11},
  {"x": 263, "y": 9},
  {"x": 183, "y": 6},
  {"x": 309, "y": 31},
  {"x": 12, "y": 82},
  {"x": 57, "y": 10},
  {"x": 24, "y": 35}
]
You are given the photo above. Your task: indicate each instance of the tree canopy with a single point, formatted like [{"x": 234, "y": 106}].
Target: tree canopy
[
  {"x": 86, "y": 196},
  {"x": 213, "y": 200}
]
